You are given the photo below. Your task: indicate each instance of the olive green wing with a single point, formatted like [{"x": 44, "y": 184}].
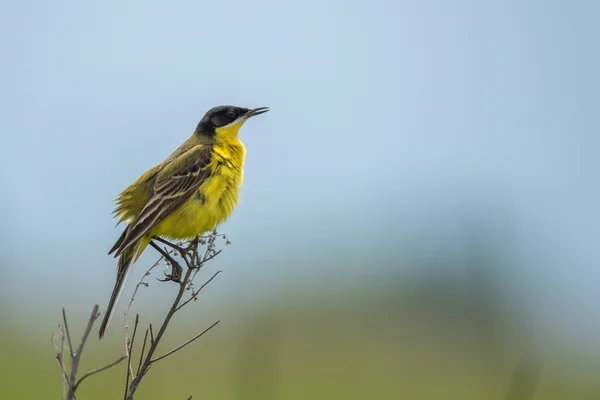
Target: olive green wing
[
  {"x": 177, "y": 181},
  {"x": 131, "y": 201}
]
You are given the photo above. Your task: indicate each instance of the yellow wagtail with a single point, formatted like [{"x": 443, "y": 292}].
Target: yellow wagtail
[{"x": 192, "y": 191}]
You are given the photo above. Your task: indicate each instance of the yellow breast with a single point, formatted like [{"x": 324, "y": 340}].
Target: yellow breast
[{"x": 214, "y": 201}]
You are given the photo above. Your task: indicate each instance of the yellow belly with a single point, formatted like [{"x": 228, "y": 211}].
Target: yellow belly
[{"x": 211, "y": 205}]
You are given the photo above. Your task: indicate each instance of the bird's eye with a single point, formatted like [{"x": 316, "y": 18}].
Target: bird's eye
[{"x": 230, "y": 113}]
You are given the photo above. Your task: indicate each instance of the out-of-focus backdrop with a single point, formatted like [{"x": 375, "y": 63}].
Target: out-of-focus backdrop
[{"x": 420, "y": 211}]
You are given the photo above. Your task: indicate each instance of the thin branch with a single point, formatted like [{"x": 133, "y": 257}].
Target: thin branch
[
  {"x": 189, "y": 254},
  {"x": 64, "y": 370},
  {"x": 195, "y": 293},
  {"x": 52, "y": 340},
  {"x": 128, "y": 348},
  {"x": 209, "y": 281},
  {"x": 142, "y": 352},
  {"x": 66, "y": 326},
  {"x": 147, "y": 361},
  {"x": 128, "y": 344},
  {"x": 213, "y": 255},
  {"x": 135, "y": 325},
  {"x": 208, "y": 258},
  {"x": 200, "y": 263},
  {"x": 140, "y": 283},
  {"x": 182, "y": 287},
  {"x": 151, "y": 334},
  {"x": 184, "y": 344},
  {"x": 60, "y": 356},
  {"x": 77, "y": 356},
  {"x": 61, "y": 361},
  {"x": 95, "y": 371}
]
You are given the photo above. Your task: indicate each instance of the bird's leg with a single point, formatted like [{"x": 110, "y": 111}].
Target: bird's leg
[
  {"x": 194, "y": 250},
  {"x": 181, "y": 250},
  {"x": 176, "y": 270}
]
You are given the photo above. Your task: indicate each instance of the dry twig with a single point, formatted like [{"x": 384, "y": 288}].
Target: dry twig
[
  {"x": 69, "y": 377},
  {"x": 193, "y": 262}
]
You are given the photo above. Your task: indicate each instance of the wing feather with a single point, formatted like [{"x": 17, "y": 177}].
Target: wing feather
[{"x": 173, "y": 186}]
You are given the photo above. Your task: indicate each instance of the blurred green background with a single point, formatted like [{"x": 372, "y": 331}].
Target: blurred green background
[{"x": 420, "y": 212}]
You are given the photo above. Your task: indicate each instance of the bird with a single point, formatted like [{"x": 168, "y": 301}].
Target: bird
[{"x": 192, "y": 191}]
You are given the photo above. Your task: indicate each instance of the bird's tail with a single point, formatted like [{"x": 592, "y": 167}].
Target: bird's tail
[{"x": 126, "y": 260}]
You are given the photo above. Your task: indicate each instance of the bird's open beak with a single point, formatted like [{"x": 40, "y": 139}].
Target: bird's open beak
[{"x": 255, "y": 111}]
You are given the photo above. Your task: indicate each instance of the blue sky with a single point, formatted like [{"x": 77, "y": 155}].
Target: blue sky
[{"x": 386, "y": 118}]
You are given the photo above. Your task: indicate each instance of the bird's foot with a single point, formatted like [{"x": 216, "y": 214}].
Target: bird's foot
[
  {"x": 175, "y": 275},
  {"x": 176, "y": 270}
]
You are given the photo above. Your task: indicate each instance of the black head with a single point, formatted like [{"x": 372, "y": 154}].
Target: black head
[{"x": 218, "y": 117}]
